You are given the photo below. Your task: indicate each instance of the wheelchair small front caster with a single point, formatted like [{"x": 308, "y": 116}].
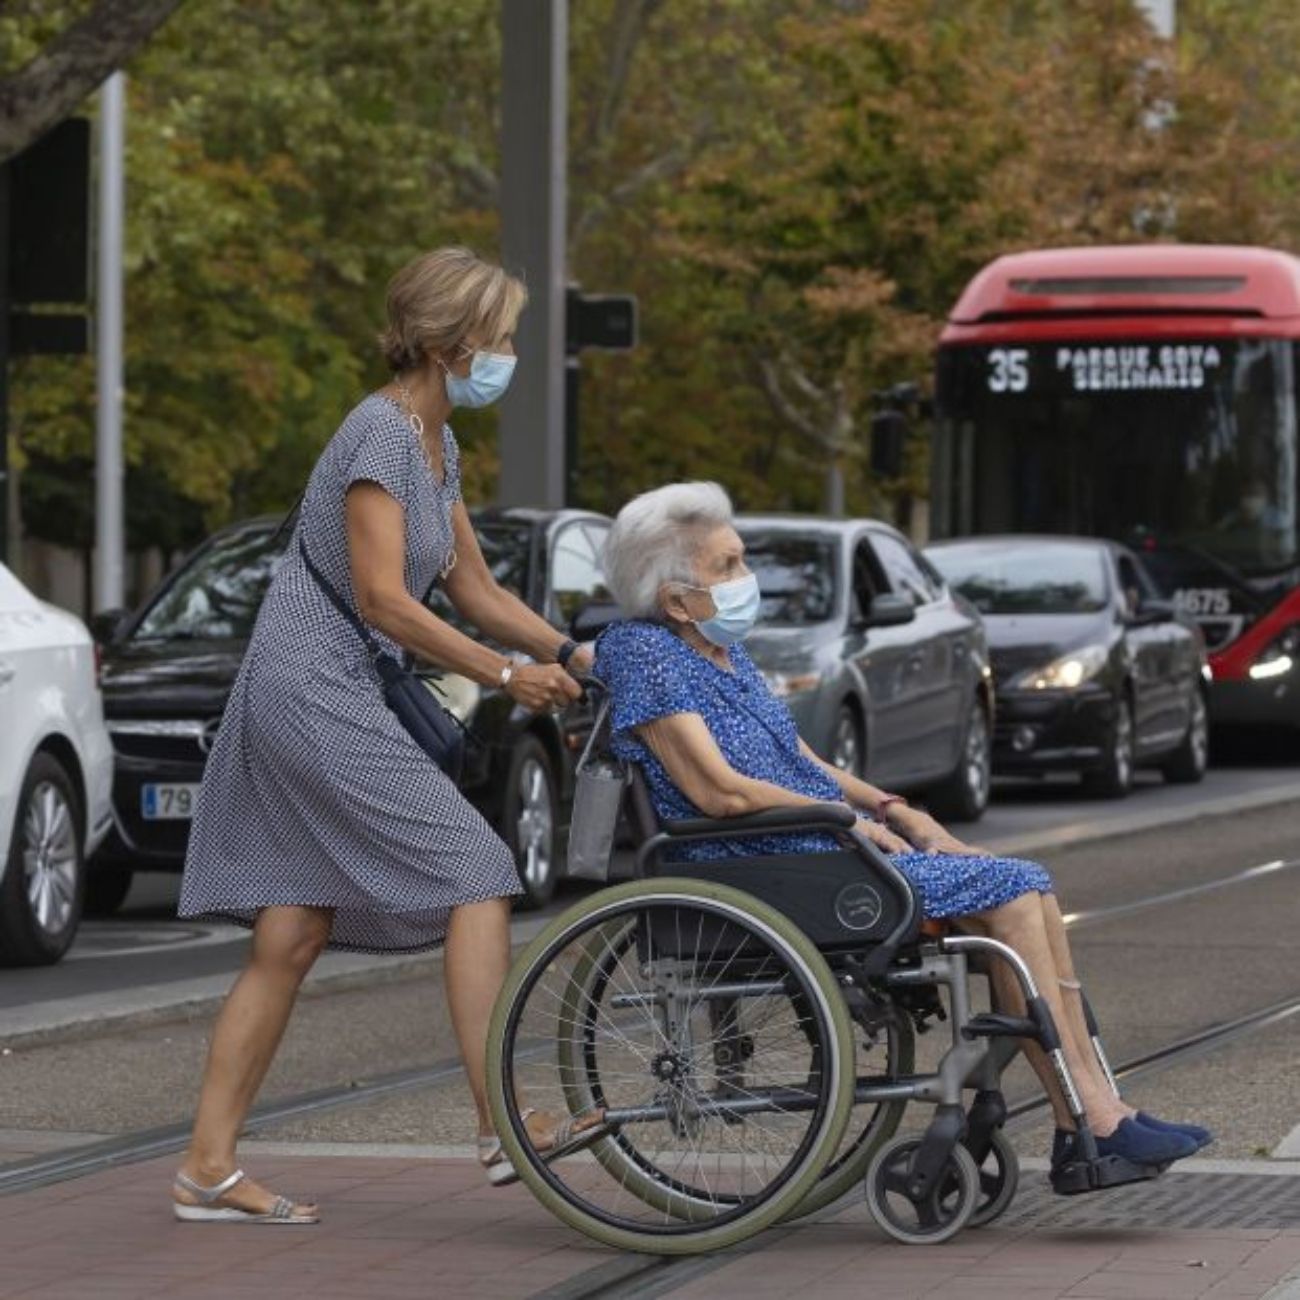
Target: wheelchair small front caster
[
  {"x": 999, "y": 1175},
  {"x": 939, "y": 1214}
]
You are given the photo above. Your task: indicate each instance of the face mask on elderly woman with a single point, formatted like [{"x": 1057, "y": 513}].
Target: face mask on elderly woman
[{"x": 736, "y": 604}]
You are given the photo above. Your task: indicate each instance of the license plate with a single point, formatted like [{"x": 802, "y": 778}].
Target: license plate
[{"x": 163, "y": 802}]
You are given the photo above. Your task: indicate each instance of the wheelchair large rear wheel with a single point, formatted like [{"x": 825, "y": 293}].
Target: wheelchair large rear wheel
[{"x": 713, "y": 1038}]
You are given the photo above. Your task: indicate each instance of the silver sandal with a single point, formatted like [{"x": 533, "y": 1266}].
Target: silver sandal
[
  {"x": 567, "y": 1142},
  {"x": 206, "y": 1212}
]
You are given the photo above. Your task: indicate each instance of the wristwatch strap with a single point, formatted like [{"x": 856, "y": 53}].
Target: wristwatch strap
[{"x": 565, "y": 653}]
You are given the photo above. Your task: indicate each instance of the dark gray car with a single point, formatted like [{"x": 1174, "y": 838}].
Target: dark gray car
[{"x": 886, "y": 674}]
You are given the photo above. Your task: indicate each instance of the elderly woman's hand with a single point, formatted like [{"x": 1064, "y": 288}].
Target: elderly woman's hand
[
  {"x": 542, "y": 687},
  {"x": 929, "y": 836},
  {"x": 882, "y": 837}
]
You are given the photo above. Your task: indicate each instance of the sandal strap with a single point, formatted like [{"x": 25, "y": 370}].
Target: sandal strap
[
  {"x": 206, "y": 1195},
  {"x": 282, "y": 1209}
]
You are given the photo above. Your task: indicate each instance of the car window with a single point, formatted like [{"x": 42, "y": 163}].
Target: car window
[
  {"x": 576, "y": 578},
  {"x": 217, "y": 595},
  {"x": 869, "y": 579},
  {"x": 907, "y": 572},
  {"x": 796, "y": 575}
]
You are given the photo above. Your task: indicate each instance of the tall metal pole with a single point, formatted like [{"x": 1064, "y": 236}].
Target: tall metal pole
[
  {"x": 109, "y": 511},
  {"x": 534, "y": 166}
]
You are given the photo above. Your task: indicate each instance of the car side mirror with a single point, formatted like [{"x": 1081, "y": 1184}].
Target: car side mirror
[
  {"x": 109, "y": 624},
  {"x": 593, "y": 618},
  {"x": 889, "y": 610},
  {"x": 1154, "y": 611}
]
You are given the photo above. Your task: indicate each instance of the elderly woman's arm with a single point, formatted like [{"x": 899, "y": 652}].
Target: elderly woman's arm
[
  {"x": 685, "y": 747},
  {"x": 917, "y": 827}
]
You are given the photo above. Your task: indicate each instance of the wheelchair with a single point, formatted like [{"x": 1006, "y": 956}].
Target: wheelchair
[{"x": 744, "y": 1030}]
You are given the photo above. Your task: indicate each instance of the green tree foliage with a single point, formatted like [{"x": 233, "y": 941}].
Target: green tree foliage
[{"x": 796, "y": 190}]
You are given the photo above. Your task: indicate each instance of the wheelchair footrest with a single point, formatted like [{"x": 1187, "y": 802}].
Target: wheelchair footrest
[
  {"x": 1074, "y": 1177},
  {"x": 994, "y": 1024}
]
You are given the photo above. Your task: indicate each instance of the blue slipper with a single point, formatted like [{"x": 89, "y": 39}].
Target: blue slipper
[
  {"x": 1146, "y": 1146},
  {"x": 1201, "y": 1136},
  {"x": 1132, "y": 1141}
]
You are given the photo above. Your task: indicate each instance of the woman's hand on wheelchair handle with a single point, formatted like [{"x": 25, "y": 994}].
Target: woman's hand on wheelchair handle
[{"x": 542, "y": 687}]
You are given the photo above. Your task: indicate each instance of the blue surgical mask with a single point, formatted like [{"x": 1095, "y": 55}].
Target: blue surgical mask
[
  {"x": 736, "y": 604},
  {"x": 489, "y": 377}
]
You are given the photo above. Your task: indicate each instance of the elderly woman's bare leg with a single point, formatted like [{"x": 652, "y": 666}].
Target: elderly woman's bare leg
[{"x": 1021, "y": 925}]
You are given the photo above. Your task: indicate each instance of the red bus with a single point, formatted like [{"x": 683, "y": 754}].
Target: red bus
[{"x": 1146, "y": 394}]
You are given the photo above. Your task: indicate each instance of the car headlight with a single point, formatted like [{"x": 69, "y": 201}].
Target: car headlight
[
  {"x": 1066, "y": 673},
  {"x": 1278, "y": 658},
  {"x": 784, "y": 685},
  {"x": 457, "y": 694}
]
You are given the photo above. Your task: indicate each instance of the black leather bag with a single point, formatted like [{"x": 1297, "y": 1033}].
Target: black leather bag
[{"x": 433, "y": 728}]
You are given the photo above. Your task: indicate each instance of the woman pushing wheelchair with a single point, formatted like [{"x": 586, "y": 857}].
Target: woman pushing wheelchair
[{"x": 692, "y": 711}]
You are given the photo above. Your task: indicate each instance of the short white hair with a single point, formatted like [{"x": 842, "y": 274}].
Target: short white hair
[{"x": 654, "y": 541}]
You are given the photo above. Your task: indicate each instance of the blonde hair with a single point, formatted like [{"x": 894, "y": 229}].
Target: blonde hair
[{"x": 441, "y": 298}]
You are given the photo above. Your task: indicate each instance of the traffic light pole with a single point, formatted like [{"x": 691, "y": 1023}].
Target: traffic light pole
[{"x": 534, "y": 169}]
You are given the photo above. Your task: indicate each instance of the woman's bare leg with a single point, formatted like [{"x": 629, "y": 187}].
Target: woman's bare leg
[
  {"x": 1021, "y": 925},
  {"x": 475, "y": 964},
  {"x": 252, "y": 1020}
]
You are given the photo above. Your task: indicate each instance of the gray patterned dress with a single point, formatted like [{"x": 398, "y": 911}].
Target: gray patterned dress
[{"x": 314, "y": 794}]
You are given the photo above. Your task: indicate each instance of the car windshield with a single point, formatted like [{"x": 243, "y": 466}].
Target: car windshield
[
  {"x": 217, "y": 595},
  {"x": 507, "y": 548},
  {"x": 1031, "y": 577},
  {"x": 797, "y": 575}
]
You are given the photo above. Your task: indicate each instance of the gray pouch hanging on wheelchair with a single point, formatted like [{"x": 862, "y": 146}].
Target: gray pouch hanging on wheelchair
[{"x": 599, "y": 782}]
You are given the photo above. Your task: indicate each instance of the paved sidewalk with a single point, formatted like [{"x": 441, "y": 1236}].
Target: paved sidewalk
[{"x": 402, "y": 1225}]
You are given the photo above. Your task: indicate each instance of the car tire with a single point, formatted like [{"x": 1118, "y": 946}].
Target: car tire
[
  {"x": 848, "y": 748},
  {"x": 528, "y": 821},
  {"x": 1187, "y": 764},
  {"x": 106, "y": 890},
  {"x": 964, "y": 794},
  {"x": 44, "y": 882},
  {"x": 1113, "y": 777}
]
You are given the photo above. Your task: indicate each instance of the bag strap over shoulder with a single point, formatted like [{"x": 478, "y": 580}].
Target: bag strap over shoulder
[{"x": 372, "y": 646}]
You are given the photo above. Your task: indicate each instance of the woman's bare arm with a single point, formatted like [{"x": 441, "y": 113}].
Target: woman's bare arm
[
  {"x": 480, "y": 599},
  {"x": 376, "y": 529}
]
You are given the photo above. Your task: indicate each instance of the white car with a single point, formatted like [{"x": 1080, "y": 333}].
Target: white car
[{"x": 56, "y": 774}]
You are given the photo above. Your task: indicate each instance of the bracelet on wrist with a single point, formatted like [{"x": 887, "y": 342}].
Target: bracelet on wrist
[
  {"x": 881, "y": 814},
  {"x": 506, "y": 674},
  {"x": 565, "y": 652}
]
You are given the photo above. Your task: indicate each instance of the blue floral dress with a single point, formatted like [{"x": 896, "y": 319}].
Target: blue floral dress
[{"x": 651, "y": 673}]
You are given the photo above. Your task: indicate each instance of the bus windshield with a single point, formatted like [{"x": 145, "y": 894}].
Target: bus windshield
[{"x": 1182, "y": 448}]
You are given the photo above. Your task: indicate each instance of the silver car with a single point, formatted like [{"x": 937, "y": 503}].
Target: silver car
[{"x": 886, "y": 673}]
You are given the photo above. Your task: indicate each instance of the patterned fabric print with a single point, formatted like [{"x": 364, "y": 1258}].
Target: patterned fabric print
[
  {"x": 313, "y": 793},
  {"x": 653, "y": 674}
]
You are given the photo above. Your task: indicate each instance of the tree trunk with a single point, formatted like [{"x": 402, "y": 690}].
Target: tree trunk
[{"x": 50, "y": 87}]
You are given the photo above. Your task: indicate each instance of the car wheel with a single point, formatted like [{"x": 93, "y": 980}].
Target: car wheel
[
  {"x": 1187, "y": 764},
  {"x": 964, "y": 795},
  {"x": 44, "y": 881},
  {"x": 1113, "y": 778},
  {"x": 106, "y": 890},
  {"x": 530, "y": 815},
  {"x": 848, "y": 744}
]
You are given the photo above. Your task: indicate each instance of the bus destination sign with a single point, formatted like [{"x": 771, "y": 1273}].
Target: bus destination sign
[{"x": 1106, "y": 368}]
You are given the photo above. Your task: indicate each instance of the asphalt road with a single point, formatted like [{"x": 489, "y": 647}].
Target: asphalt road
[{"x": 144, "y": 947}]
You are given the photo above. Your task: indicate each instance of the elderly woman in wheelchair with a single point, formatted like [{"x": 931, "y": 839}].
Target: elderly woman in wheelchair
[{"x": 739, "y": 1019}]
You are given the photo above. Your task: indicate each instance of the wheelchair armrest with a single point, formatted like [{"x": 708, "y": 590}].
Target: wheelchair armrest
[{"x": 811, "y": 817}]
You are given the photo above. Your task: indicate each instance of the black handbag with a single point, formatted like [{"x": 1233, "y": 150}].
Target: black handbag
[{"x": 439, "y": 733}]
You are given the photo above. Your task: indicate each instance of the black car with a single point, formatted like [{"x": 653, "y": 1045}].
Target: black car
[
  {"x": 1093, "y": 672},
  {"x": 169, "y": 667}
]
